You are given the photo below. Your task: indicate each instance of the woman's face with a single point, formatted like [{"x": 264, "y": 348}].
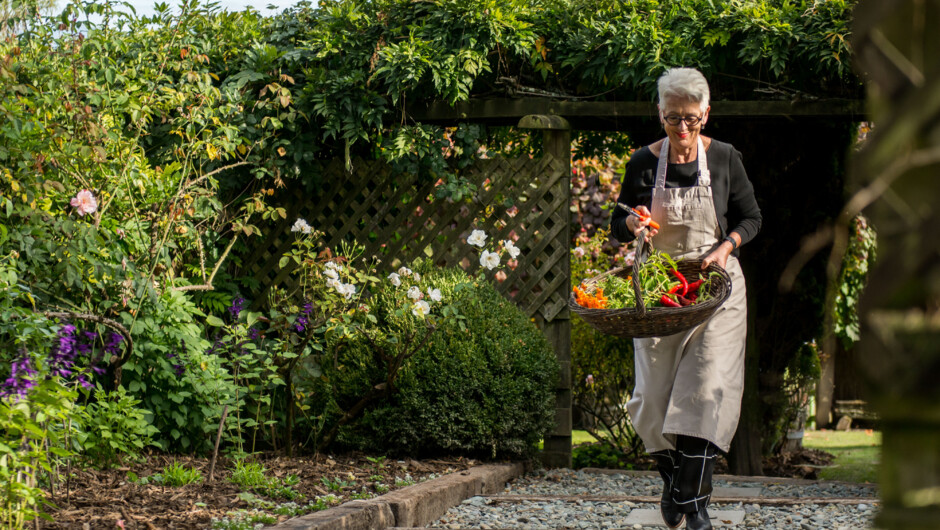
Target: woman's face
[{"x": 682, "y": 111}]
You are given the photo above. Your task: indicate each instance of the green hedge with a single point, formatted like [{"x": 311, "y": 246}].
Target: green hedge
[{"x": 483, "y": 385}]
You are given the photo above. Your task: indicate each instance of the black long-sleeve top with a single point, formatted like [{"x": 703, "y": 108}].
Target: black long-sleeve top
[{"x": 735, "y": 204}]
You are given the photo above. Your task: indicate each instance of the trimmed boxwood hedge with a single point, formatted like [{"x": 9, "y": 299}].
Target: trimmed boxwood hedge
[{"x": 483, "y": 385}]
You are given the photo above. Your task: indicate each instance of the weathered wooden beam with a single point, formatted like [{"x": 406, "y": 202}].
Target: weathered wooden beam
[
  {"x": 545, "y": 122},
  {"x": 509, "y": 108}
]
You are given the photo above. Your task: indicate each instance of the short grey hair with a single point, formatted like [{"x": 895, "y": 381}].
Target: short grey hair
[{"x": 686, "y": 83}]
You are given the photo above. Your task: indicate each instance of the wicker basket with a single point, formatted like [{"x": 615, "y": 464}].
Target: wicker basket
[{"x": 641, "y": 322}]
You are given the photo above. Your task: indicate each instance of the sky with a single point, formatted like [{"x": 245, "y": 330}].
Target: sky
[{"x": 145, "y": 7}]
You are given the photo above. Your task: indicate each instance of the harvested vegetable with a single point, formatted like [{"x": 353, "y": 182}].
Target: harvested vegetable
[{"x": 661, "y": 283}]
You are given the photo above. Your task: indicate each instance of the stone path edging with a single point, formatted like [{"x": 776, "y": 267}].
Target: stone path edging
[
  {"x": 414, "y": 506},
  {"x": 728, "y": 478}
]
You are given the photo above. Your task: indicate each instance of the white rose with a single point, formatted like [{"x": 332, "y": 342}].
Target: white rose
[
  {"x": 395, "y": 279},
  {"x": 578, "y": 252},
  {"x": 414, "y": 293},
  {"x": 300, "y": 225},
  {"x": 331, "y": 274},
  {"x": 434, "y": 294},
  {"x": 420, "y": 309},
  {"x": 511, "y": 248},
  {"x": 333, "y": 283},
  {"x": 348, "y": 290},
  {"x": 477, "y": 238},
  {"x": 404, "y": 271},
  {"x": 490, "y": 260},
  {"x": 417, "y": 277}
]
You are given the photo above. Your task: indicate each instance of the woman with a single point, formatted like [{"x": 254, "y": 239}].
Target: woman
[{"x": 687, "y": 399}]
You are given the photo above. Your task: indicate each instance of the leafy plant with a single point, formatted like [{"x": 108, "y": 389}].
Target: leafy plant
[
  {"x": 599, "y": 454},
  {"x": 859, "y": 258},
  {"x": 177, "y": 475},
  {"x": 113, "y": 428},
  {"x": 251, "y": 475},
  {"x": 336, "y": 484}
]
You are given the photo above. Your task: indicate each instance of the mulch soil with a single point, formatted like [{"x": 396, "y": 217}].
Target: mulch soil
[{"x": 109, "y": 499}]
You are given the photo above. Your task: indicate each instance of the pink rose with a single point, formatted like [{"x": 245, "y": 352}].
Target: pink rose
[
  {"x": 578, "y": 252},
  {"x": 84, "y": 202}
]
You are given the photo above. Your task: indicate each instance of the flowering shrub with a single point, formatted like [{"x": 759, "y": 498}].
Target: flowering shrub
[{"x": 483, "y": 383}]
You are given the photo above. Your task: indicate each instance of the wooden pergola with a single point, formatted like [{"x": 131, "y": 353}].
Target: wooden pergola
[{"x": 802, "y": 126}]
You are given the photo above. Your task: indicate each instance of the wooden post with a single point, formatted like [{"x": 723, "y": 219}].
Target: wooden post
[
  {"x": 825, "y": 389},
  {"x": 557, "y": 144}
]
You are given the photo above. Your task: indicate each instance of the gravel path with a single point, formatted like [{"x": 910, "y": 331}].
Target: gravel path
[{"x": 490, "y": 513}]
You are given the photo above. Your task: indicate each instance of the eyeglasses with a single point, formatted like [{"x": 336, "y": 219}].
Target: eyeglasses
[{"x": 690, "y": 120}]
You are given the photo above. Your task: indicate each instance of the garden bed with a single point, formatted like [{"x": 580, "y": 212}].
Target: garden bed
[{"x": 132, "y": 497}]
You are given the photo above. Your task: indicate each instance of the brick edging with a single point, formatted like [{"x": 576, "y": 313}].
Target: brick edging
[{"x": 413, "y": 506}]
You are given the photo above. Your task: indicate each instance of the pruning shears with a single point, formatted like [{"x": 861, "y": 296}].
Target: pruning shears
[{"x": 634, "y": 211}]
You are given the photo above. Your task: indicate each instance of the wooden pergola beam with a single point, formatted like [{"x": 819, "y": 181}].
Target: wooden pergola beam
[{"x": 503, "y": 109}]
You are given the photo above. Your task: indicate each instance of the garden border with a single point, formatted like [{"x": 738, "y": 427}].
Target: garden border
[{"x": 414, "y": 506}]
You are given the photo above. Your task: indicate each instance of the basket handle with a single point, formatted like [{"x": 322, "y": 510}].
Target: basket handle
[{"x": 643, "y": 250}]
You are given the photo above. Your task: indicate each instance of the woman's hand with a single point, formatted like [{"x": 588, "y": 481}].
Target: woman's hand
[
  {"x": 637, "y": 225},
  {"x": 719, "y": 255}
]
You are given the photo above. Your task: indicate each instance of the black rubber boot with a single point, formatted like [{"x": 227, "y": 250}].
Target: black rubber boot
[
  {"x": 692, "y": 481},
  {"x": 698, "y": 520},
  {"x": 666, "y": 461}
]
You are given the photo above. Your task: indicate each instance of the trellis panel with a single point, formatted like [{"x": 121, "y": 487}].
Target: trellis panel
[{"x": 397, "y": 218}]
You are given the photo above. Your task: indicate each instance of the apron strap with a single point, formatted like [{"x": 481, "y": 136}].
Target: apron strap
[{"x": 704, "y": 176}]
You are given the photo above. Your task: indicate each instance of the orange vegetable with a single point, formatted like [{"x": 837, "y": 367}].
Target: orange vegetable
[{"x": 592, "y": 301}]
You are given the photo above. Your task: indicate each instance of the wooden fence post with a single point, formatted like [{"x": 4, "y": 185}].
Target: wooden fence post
[{"x": 557, "y": 144}]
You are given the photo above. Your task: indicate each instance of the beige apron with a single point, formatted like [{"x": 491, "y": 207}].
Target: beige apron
[{"x": 691, "y": 383}]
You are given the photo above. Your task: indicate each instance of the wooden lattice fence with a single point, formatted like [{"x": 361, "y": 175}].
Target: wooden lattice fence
[{"x": 397, "y": 218}]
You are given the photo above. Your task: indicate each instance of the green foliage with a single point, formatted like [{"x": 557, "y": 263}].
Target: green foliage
[
  {"x": 35, "y": 407},
  {"x": 252, "y": 476},
  {"x": 859, "y": 258},
  {"x": 177, "y": 475},
  {"x": 600, "y": 455},
  {"x": 183, "y": 385},
  {"x": 113, "y": 428},
  {"x": 243, "y": 520},
  {"x": 483, "y": 384},
  {"x": 32, "y": 432}
]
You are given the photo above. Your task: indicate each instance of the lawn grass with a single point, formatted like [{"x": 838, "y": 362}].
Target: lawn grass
[{"x": 857, "y": 453}]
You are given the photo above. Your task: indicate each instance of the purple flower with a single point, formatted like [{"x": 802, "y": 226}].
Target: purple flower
[
  {"x": 238, "y": 305},
  {"x": 303, "y": 321},
  {"x": 62, "y": 357},
  {"x": 86, "y": 348},
  {"x": 113, "y": 346},
  {"x": 253, "y": 334},
  {"x": 83, "y": 381},
  {"x": 179, "y": 370},
  {"x": 21, "y": 377}
]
